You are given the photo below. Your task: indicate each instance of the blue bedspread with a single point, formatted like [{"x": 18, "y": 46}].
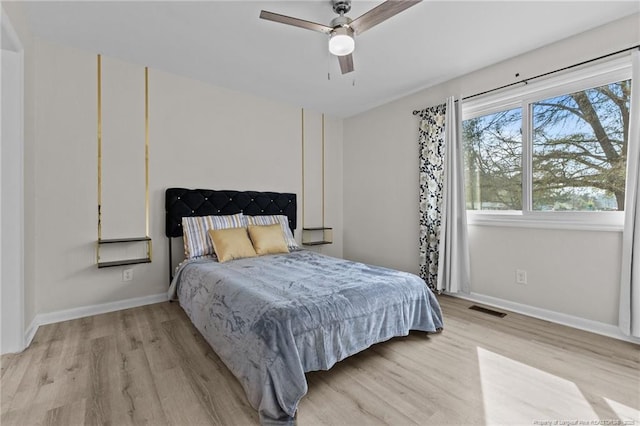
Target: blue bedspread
[{"x": 273, "y": 318}]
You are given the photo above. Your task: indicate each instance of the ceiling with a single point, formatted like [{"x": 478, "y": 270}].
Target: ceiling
[{"x": 225, "y": 43}]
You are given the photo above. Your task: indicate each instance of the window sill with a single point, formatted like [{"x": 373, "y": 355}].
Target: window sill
[{"x": 520, "y": 221}]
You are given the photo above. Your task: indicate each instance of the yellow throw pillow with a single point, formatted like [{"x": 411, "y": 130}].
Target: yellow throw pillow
[
  {"x": 268, "y": 239},
  {"x": 231, "y": 243}
]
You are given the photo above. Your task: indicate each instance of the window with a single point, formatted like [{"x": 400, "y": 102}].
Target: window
[
  {"x": 579, "y": 149},
  {"x": 553, "y": 152},
  {"x": 493, "y": 157}
]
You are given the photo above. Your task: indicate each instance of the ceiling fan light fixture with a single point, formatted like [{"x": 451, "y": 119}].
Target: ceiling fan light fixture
[
  {"x": 341, "y": 29},
  {"x": 341, "y": 42}
]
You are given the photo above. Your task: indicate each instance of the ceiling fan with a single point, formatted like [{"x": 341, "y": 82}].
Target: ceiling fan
[{"x": 342, "y": 29}]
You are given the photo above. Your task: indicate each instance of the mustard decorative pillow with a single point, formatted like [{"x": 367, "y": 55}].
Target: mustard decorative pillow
[
  {"x": 268, "y": 239},
  {"x": 231, "y": 243},
  {"x": 270, "y": 220}
]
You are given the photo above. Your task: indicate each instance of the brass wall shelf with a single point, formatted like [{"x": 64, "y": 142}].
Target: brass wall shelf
[
  {"x": 146, "y": 239},
  {"x": 124, "y": 240},
  {"x": 123, "y": 262},
  {"x": 317, "y": 236}
]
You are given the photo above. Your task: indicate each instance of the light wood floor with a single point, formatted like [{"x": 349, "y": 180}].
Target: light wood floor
[{"x": 148, "y": 365}]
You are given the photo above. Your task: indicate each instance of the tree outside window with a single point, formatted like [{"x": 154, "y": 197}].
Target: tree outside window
[
  {"x": 578, "y": 151},
  {"x": 493, "y": 157}
]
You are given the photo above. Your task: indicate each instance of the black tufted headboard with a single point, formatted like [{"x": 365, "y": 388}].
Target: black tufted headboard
[{"x": 181, "y": 202}]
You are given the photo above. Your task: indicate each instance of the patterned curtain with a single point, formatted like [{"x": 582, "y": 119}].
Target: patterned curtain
[
  {"x": 444, "y": 252},
  {"x": 431, "y": 142}
]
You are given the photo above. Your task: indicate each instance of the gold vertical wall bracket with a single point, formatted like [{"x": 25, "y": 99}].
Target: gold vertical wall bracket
[
  {"x": 302, "y": 138},
  {"x": 135, "y": 240},
  {"x": 146, "y": 162},
  {"x": 99, "y": 63},
  {"x": 146, "y": 151},
  {"x": 323, "y": 170}
]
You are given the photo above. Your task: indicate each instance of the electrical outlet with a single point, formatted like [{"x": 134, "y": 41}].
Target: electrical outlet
[
  {"x": 521, "y": 276},
  {"x": 127, "y": 274}
]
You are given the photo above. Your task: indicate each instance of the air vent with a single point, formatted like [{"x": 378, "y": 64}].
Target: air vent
[{"x": 487, "y": 311}]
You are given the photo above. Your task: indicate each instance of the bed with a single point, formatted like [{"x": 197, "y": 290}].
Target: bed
[{"x": 271, "y": 318}]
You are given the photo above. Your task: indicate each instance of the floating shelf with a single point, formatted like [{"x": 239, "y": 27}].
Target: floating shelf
[
  {"x": 123, "y": 240},
  {"x": 122, "y": 262},
  {"x": 317, "y": 236}
]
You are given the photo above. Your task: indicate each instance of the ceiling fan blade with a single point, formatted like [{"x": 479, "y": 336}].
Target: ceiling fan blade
[
  {"x": 283, "y": 19},
  {"x": 346, "y": 63},
  {"x": 380, "y": 13}
]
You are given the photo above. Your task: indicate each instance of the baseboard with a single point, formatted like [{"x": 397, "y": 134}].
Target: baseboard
[
  {"x": 85, "y": 311},
  {"x": 30, "y": 333},
  {"x": 597, "y": 327}
]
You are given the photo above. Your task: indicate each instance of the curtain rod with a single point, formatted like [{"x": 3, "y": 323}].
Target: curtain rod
[{"x": 526, "y": 80}]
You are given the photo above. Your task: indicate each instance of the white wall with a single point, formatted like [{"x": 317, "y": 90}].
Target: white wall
[
  {"x": 18, "y": 19},
  {"x": 11, "y": 238},
  {"x": 570, "y": 272},
  {"x": 201, "y": 136}
]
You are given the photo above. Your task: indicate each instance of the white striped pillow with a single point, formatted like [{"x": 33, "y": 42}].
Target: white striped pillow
[
  {"x": 195, "y": 232},
  {"x": 272, "y": 219}
]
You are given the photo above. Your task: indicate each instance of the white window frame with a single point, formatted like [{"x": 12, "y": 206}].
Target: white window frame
[{"x": 523, "y": 97}]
